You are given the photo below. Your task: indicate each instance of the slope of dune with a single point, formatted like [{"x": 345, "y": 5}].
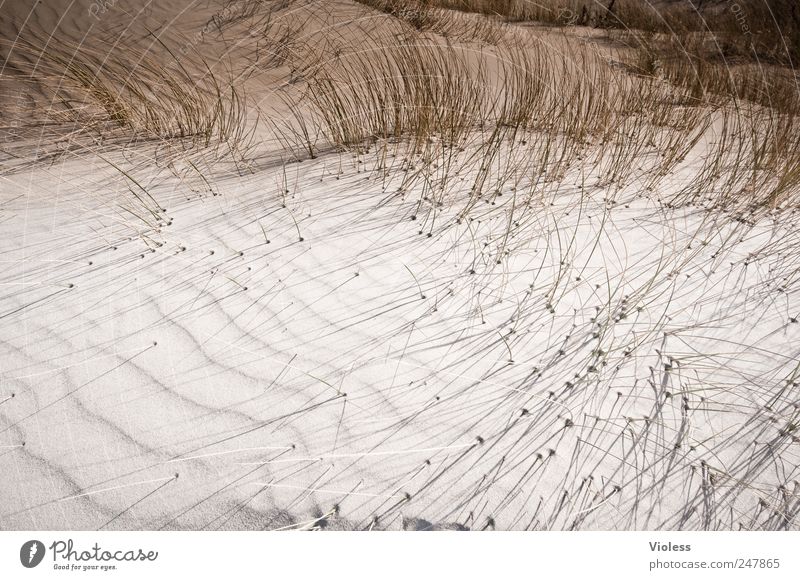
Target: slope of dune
[{"x": 201, "y": 340}]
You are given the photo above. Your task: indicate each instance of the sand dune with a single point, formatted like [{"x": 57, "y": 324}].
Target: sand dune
[{"x": 264, "y": 344}]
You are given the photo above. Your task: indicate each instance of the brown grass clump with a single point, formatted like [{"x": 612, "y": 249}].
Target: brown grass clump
[
  {"x": 524, "y": 107},
  {"x": 749, "y": 29},
  {"x": 398, "y": 90},
  {"x": 517, "y": 108},
  {"x": 426, "y": 16},
  {"x": 100, "y": 91}
]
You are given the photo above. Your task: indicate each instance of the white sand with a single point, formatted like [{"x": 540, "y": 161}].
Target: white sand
[{"x": 216, "y": 372}]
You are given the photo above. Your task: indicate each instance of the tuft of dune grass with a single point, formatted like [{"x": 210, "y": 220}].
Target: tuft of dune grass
[{"x": 112, "y": 89}]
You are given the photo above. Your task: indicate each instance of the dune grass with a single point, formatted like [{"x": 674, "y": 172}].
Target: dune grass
[
  {"x": 135, "y": 94},
  {"x": 558, "y": 237},
  {"x": 549, "y": 107}
]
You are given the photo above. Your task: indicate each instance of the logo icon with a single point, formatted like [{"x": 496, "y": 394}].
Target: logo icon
[{"x": 31, "y": 553}]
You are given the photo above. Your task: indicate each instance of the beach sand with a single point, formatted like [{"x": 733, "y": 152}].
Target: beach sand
[{"x": 282, "y": 345}]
